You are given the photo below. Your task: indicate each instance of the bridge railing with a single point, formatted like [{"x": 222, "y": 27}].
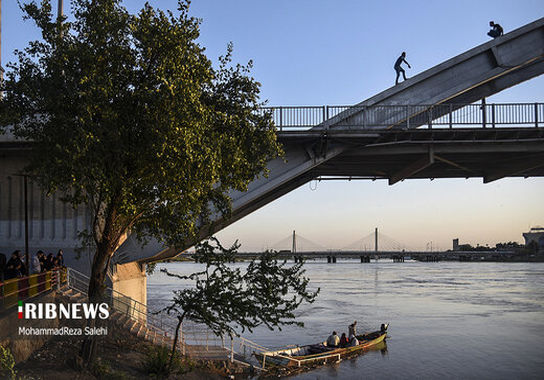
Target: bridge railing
[
  {"x": 23, "y": 288},
  {"x": 448, "y": 115}
]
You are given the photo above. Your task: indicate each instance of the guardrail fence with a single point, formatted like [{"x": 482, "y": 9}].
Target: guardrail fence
[
  {"x": 408, "y": 116},
  {"x": 22, "y": 288}
]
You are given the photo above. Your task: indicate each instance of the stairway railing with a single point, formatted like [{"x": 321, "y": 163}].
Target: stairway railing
[
  {"x": 193, "y": 340},
  {"x": 127, "y": 306}
]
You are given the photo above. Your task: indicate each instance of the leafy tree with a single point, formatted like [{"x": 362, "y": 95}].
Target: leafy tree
[
  {"x": 128, "y": 117},
  {"x": 225, "y": 298},
  {"x": 508, "y": 245}
]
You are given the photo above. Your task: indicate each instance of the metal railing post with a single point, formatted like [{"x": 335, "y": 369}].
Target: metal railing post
[
  {"x": 181, "y": 338},
  {"x": 430, "y": 118},
  {"x": 363, "y": 112},
  {"x": 58, "y": 279},
  {"x": 324, "y": 113},
  {"x": 281, "y": 118},
  {"x": 493, "y": 115},
  {"x": 327, "y": 113},
  {"x": 451, "y": 116},
  {"x": 484, "y": 113},
  {"x": 231, "y": 350},
  {"x": 536, "y": 115},
  {"x": 407, "y": 117}
]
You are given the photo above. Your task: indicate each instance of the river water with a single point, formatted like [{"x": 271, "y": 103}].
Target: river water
[{"x": 447, "y": 319}]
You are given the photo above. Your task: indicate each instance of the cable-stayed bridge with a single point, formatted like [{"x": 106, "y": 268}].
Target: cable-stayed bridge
[
  {"x": 375, "y": 245},
  {"x": 373, "y": 241}
]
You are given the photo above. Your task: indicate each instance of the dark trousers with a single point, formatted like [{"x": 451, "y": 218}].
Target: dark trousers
[
  {"x": 493, "y": 33},
  {"x": 400, "y": 70}
]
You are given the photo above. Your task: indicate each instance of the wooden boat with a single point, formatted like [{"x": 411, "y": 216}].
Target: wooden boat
[{"x": 320, "y": 353}]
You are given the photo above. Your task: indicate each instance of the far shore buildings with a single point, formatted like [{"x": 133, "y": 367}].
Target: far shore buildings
[{"x": 536, "y": 234}]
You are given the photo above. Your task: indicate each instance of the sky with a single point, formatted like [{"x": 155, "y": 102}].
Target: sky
[{"x": 340, "y": 52}]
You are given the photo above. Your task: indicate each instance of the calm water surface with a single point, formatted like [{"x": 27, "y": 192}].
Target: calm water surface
[{"x": 447, "y": 320}]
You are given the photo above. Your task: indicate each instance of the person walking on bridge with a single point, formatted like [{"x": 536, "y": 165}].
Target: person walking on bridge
[
  {"x": 496, "y": 30},
  {"x": 399, "y": 69}
]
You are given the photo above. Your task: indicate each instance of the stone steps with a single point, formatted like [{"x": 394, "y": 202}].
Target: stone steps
[{"x": 141, "y": 330}]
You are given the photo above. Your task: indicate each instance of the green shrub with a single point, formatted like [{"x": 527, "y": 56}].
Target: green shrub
[
  {"x": 7, "y": 362},
  {"x": 158, "y": 359},
  {"x": 103, "y": 370}
]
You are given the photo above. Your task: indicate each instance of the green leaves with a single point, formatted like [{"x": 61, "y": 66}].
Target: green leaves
[
  {"x": 226, "y": 298},
  {"x": 129, "y": 117}
]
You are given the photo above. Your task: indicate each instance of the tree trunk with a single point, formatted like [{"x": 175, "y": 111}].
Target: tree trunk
[
  {"x": 174, "y": 345},
  {"x": 95, "y": 295}
]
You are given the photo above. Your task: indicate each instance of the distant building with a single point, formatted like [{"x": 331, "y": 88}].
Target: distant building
[
  {"x": 455, "y": 244},
  {"x": 536, "y": 234}
]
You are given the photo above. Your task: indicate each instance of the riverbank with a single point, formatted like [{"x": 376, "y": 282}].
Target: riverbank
[{"x": 120, "y": 355}]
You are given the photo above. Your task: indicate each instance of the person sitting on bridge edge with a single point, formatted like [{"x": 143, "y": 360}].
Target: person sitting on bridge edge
[
  {"x": 399, "y": 69},
  {"x": 496, "y": 30},
  {"x": 333, "y": 340}
]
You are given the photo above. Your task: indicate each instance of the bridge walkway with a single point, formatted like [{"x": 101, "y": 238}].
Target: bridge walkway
[{"x": 478, "y": 73}]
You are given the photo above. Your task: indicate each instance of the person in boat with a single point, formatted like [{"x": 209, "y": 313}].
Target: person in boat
[
  {"x": 352, "y": 329},
  {"x": 344, "y": 340},
  {"x": 333, "y": 340},
  {"x": 353, "y": 341}
]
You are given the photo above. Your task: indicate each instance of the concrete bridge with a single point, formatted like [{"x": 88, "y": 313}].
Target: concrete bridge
[
  {"x": 376, "y": 139},
  {"x": 396, "y": 256}
]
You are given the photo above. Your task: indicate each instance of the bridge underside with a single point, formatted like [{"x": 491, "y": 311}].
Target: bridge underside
[{"x": 490, "y": 154}]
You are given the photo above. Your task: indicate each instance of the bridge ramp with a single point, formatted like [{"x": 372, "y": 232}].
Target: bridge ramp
[{"x": 478, "y": 73}]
